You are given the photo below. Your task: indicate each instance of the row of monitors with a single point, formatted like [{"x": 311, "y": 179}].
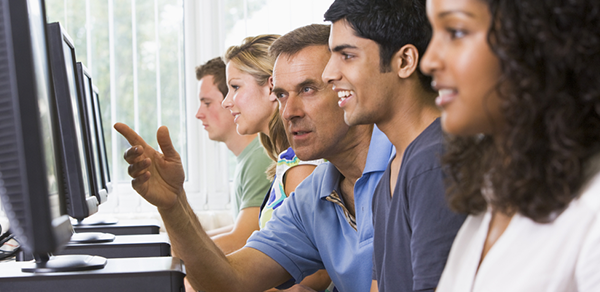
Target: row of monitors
[{"x": 53, "y": 160}]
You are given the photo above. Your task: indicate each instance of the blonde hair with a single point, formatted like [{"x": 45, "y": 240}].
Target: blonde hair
[{"x": 252, "y": 57}]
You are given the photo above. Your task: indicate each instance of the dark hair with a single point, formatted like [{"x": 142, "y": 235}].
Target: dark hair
[
  {"x": 215, "y": 68},
  {"x": 550, "y": 99},
  {"x": 392, "y": 24},
  {"x": 296, "y": 40}
]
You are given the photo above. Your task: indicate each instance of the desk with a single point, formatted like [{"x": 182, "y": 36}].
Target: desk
[
  {"x": 122, "y": 227},
  {"x": 124, "y": 246},
  {"x": 125, "y": 274}
]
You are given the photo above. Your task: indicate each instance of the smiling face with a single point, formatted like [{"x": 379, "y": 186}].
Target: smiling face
[
  {"x": 354, "y": 70},
  {"x": 464, "y": 68},
  {"x": 216, "y": 120},
  {"x": 249, "y": 103},
  {"x": 313, "y": 121}
]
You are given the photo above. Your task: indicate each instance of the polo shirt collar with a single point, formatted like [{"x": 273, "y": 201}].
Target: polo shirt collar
[{"x": 380, "y": 152}]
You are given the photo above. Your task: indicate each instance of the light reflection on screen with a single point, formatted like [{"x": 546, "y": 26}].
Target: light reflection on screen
[
  {"x": 70, "y": 64},
  {"x": 42, "y": 82}
]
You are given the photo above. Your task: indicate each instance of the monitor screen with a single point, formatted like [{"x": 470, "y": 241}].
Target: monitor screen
[
  {"x": 101, "y": 141},
  {"x": 77, "y": 159},
  {"x": 75, "y": 107},
  {"x": 88, "y": 121},
  {"x": 30, "y": 176}
]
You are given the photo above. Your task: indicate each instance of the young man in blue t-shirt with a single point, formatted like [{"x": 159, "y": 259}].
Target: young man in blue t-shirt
[{"x": 376, "y": 46}]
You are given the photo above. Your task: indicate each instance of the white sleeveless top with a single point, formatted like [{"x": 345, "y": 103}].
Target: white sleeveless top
[{"x": 560, "y": 256}]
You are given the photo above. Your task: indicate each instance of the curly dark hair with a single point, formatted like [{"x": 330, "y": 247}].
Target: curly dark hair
[{"x": 550, "y": 58}]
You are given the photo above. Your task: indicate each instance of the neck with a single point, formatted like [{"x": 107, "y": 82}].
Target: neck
[
  {"x": 237, "y": 143},
  {"x": 413, "y": 112},
  {"x": 351, "y": 160}
]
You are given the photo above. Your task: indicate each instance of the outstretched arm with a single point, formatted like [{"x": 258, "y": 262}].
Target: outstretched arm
[{"x": 159, "y": 179}]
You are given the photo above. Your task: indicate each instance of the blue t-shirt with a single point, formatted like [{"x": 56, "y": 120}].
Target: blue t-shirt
[
  {"x": 415, "y": 229},
  {"x": 308, "y": 232}
]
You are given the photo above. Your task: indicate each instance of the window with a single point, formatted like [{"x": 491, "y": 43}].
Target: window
[{"x": 142, "y": 55}]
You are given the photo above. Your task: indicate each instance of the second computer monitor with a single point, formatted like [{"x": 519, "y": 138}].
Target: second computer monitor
[{"x": 82, "y": 200}]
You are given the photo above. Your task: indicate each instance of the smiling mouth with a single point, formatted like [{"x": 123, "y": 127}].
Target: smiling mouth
[
  {"x": 343, "y": 95},
  {"x": 445, "y": 97}
]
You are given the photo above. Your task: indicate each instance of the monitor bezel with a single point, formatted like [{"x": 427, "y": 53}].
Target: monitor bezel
[
  {"x": 89, "y": 129},
  {"x": 101, "y": 139},
  {"x": 82, "y": 203},
  {"x": 24, "y": 184}
]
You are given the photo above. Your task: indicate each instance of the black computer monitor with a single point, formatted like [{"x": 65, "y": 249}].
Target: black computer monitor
[
  {"x": 82, "y": 202},
  {"x": 89, "y": 129},
  {"x": 83, "y": 195},
  {"x": 101, "y": 141},
  {"x": 31, "y": 176}
]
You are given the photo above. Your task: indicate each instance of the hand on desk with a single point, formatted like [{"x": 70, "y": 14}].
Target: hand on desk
[{"x": 158, "y": 177}]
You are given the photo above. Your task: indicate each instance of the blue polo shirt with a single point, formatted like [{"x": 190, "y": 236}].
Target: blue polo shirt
[{"x": 309, "y": 233}]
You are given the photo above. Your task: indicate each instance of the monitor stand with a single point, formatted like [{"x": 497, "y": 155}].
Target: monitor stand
[
  {"x": 91, "y": 237},
  {"x": 64, "y": 263},
  {"x": 96, "y": 221}
]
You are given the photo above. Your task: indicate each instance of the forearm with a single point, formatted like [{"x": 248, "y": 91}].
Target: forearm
[
  {"x": 202, "y": 258},
  {"x": 207, "y": 267},
  {"x": 229, "y": 242},
  {"x": 214, "y": 232}
]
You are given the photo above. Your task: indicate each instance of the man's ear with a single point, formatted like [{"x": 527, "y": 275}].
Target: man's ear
[
  {"x": 405, "y": 61},
  {"x": 272, "y": 96}
]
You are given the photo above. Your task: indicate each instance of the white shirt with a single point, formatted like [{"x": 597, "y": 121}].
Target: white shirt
[{"x": 560, "y": 256}]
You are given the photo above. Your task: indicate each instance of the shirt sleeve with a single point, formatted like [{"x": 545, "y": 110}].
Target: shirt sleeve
[
  {"x": 254, "y": 182},
  {"x": 434, "y": 227},
  {"x": 285, "y": 239}
]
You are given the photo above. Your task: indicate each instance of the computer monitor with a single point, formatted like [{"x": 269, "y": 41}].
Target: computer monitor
[
  {"x": 82, "y": 201},
  {"x": 31, "y": 177},
  {"x": 89, "y": 129},
  {"x": 83, "y": 195},
  {"x": 101, "y": 141}
]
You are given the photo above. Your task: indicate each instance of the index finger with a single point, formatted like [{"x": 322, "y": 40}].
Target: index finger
[{"x": 132, "y": 137}]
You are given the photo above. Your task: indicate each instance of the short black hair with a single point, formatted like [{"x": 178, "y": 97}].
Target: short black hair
[{"x": 392, "y": 24}]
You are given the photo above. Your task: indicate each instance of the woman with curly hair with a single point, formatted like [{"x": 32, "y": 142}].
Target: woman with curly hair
[{"x": 518, "y": 86}]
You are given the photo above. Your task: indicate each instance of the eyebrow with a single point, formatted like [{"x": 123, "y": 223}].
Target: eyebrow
[
  {"x": 342, "y": 47},
  {"x": 300, "y": 85},
  {"x": 277, "y": 90},
  {"x": 307, "y": 82},
  {"x": 448, "y": 12}
]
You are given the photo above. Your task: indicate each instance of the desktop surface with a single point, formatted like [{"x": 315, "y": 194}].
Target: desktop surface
[
  {"x": 121, "y": 227},
  {"x": 123, "y": 274}
]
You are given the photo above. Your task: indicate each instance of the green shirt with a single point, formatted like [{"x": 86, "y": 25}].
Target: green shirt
[{"x": 250, "y": 181}]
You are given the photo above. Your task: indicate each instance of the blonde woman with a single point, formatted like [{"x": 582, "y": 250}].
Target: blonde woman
[{"x": 255, "y": 110}]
